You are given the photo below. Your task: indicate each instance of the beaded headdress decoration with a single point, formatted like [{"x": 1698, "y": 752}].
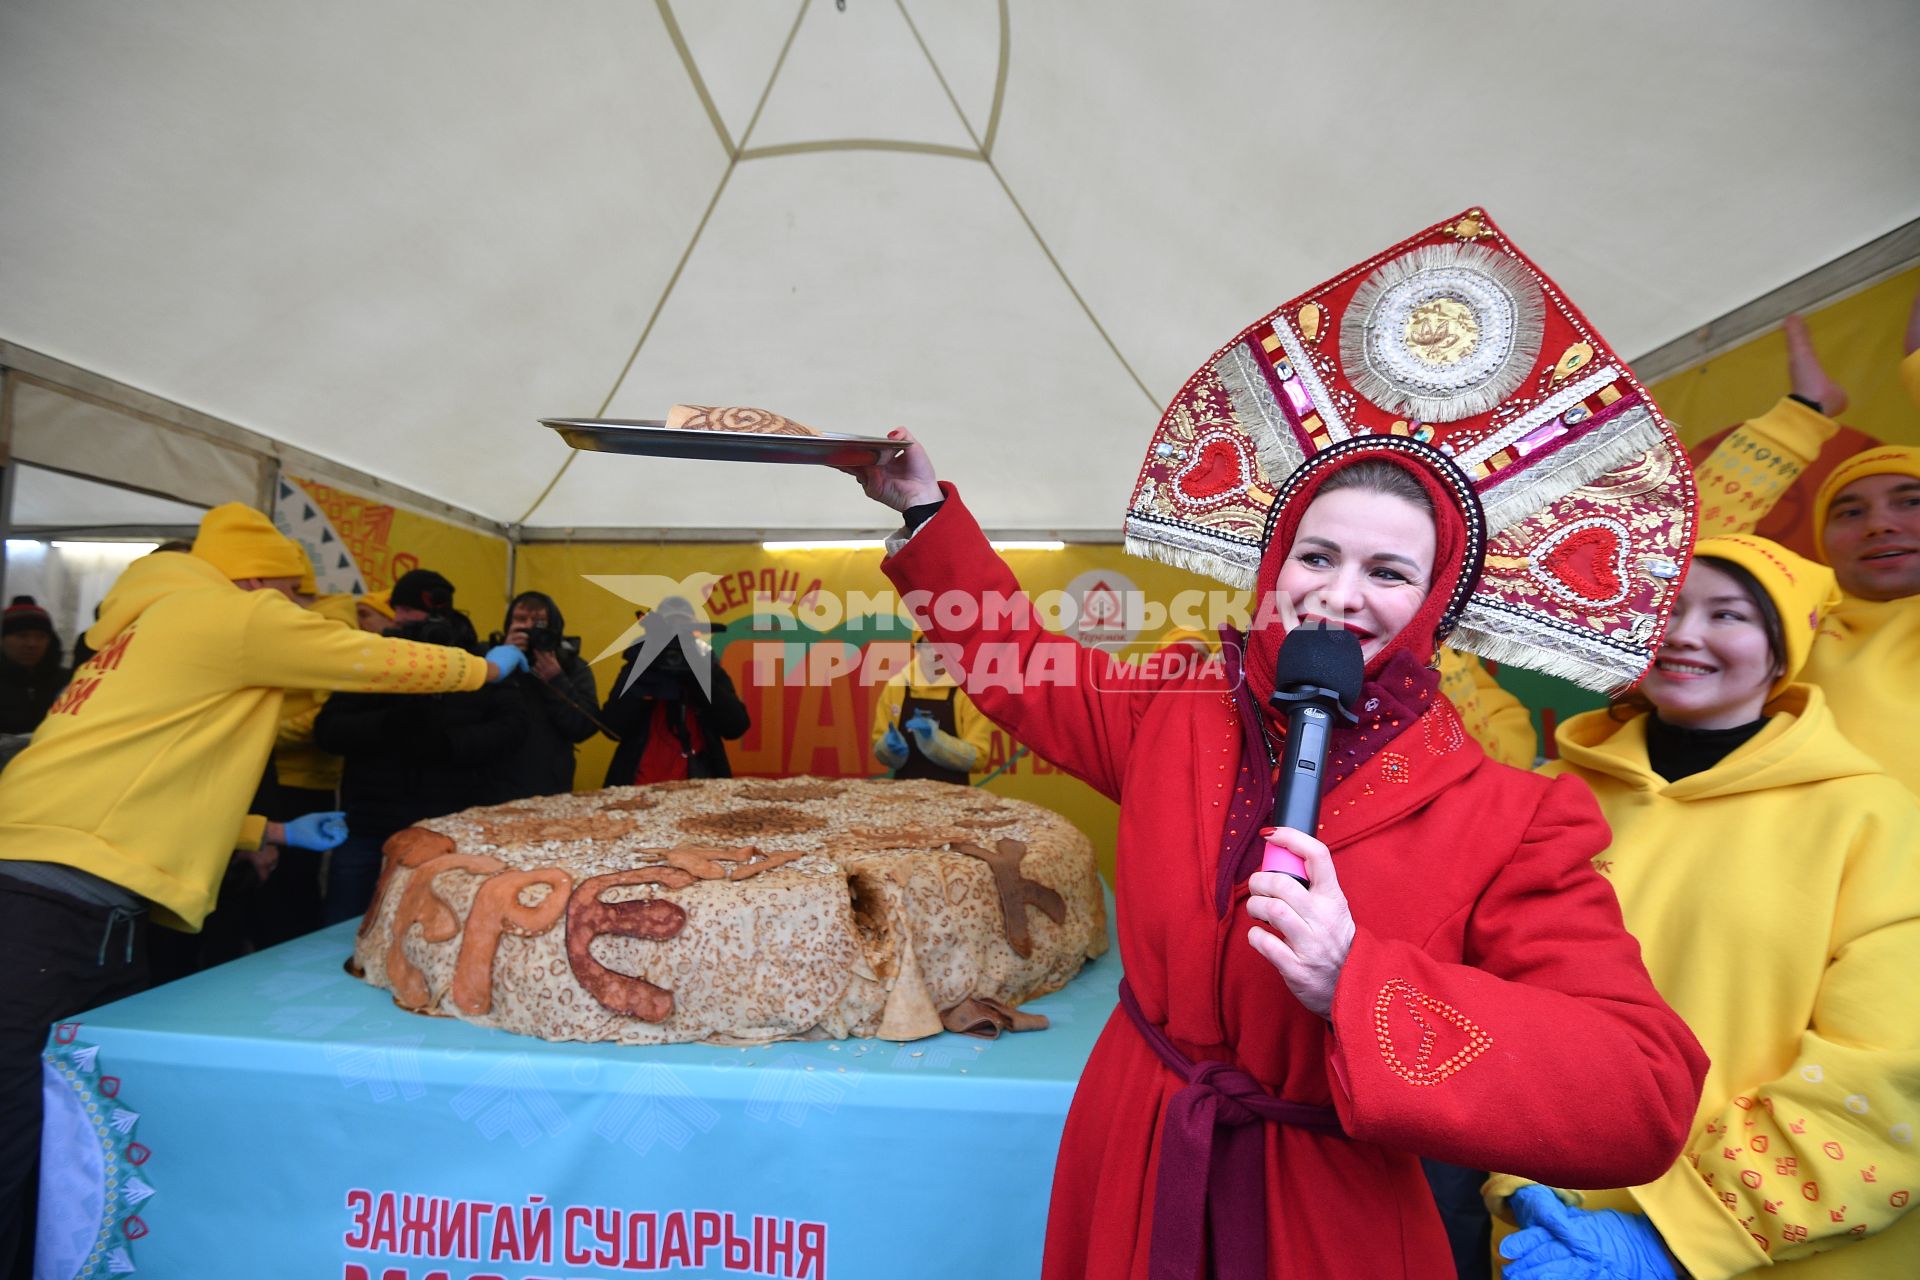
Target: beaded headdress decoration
[{"x": 1452, "y": 347}]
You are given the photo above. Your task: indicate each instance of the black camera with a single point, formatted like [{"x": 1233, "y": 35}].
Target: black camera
[
  {"x": 449, "y": 629},
  {"x": 542, "y": 640}
]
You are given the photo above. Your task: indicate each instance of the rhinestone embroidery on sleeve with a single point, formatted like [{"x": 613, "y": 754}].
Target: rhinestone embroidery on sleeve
[{"x": 1422, "y": 1007}]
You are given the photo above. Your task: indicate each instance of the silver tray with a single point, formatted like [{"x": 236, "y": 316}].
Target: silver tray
[{"x": 654, "y": 438}]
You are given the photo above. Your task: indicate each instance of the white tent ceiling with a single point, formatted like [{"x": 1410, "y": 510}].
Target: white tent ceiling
[{"x": 396, "y": 235}]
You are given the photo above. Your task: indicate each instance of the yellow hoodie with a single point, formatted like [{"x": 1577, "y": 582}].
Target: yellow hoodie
[
  {"x": 1867, "y": 661},
  {"x": 1494, "y": 718},
  {"x": 142, "y": 770},
  {"x": 296, "y": 761},
  {"x": 1776, "y": 898}
]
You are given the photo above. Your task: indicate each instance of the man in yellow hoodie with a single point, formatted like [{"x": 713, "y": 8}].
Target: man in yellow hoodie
[
  {"x": 1867, "y": 525},
  {"x": 131, "y": 797}
]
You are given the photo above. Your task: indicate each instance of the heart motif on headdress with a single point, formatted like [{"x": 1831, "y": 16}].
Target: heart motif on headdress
[
  {"x": 1586, "y": 561},
  {"x": 1219, "y": 467}
]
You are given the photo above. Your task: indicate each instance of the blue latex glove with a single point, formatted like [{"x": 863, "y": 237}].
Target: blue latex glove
[
  {"x": 1563, "y": 1243},
  {"x": 891, "y": 750},
  {"x": 939, "y": 746},
  {"x": 506, "y": 659},
  {"x": 316, "y": 831}
]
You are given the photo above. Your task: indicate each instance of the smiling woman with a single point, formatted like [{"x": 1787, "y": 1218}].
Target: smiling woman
[
  {"x": 1358, "y": 1015},
  {"x": 1766, "y": 866},
  {"x": 1724, "y": 650},
  {"x": 1363, "y": 556}
]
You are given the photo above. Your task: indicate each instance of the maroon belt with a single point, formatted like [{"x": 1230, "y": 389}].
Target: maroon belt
[{"x": 1212, "y": 1181}]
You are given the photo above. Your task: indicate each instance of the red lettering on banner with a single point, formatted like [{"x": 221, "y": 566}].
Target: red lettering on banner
[
  {"x": 779, "y": 1246},
  {"x": 506, "y": 1241},
  {"x": 384, "y": 1238},
  {"x": 606, "y": 1230},
  {"x": 674, "y": 1245},
  {"x": 642, "y": 1259},
  {"x": 738, "y": 1253},
  {"x": 813, "y": 1250},
  {"x": 440, "y": 1228},
  {"x": 360, "y": 1205},
  {"x": 706, "y": 1235},
  {"x": 416, "y": 1238},
  {"x": 576, "y": 1217},
  {"x": 536, "y": 1231}
]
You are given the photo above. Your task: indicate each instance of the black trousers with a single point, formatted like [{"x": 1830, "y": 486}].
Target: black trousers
[
  {"x": 1456, "y": 1193},
  {"x": 61, "y": 957}
]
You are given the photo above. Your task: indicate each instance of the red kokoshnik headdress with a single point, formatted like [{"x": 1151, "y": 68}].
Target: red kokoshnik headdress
[{"x": 1454, "y": 353}]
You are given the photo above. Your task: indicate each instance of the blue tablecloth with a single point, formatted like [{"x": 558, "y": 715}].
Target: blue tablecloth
[{"x": 276, "y": 1117}]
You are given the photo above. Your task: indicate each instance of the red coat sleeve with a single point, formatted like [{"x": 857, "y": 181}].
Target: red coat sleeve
[
  {"x": 1076, "y": 707},
  {"x": 1548, "y": 1052}
]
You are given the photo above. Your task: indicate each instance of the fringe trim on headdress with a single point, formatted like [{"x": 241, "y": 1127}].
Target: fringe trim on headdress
[
  {"x": 1208, "y": 563},
  {"x": 1529, "y": 325},
  {"x": 1635, "y": 434},
  {"x": 1513, "y": 638},
  {"x": 1275, "y": 445}
]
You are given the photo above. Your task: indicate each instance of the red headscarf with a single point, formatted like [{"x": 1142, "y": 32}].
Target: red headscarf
[{"x": 1459, "y": 547}]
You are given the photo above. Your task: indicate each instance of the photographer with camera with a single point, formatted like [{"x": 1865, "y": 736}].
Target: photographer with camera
[
  {"x": 672, "y": 706},
  {"x": 556, "y": 694},
  {"x": 408, "y": 758}
]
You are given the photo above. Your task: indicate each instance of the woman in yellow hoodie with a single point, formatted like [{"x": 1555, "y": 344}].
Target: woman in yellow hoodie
[{"x": 1771, "y": 872}]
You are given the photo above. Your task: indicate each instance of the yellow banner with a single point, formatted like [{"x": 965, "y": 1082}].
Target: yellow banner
[
  {"x": 348, "y": 534},
  {"x": 811, "y": 690}
]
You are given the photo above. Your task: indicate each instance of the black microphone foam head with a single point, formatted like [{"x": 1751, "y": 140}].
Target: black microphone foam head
[{"x": 1326, "y": 658}]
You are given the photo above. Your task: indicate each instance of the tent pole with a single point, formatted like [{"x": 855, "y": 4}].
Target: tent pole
[{"x": 6, "y": 471}]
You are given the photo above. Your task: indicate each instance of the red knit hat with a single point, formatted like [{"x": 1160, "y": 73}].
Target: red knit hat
[{"x": 25, "y": 614}]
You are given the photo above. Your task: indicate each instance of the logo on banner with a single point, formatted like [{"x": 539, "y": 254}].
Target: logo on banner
[{"x": 1104, "y": 615}]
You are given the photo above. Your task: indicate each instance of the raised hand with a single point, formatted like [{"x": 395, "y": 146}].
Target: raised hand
[
  {"x": 905, "y": 480},
  {"x": 1808, "y": 376}
]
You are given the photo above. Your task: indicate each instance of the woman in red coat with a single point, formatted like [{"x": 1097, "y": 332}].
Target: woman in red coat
[{"x": 1456, "y": 982}]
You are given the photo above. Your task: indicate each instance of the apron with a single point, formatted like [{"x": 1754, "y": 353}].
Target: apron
[{"x": 917, "y": 765}]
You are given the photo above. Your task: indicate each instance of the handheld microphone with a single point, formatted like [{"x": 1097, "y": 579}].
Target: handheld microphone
[{"x": 1316, "y": 679}]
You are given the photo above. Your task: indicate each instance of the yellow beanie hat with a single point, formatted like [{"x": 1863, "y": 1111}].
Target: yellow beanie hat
[
  {"x": 1802, "y": 591},
  {"x": 1882, "y": 460},
  {"x": 242, "y": 543},
  {"x": 381, "y": 602},
  {"x": 309, "y": 585}
]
